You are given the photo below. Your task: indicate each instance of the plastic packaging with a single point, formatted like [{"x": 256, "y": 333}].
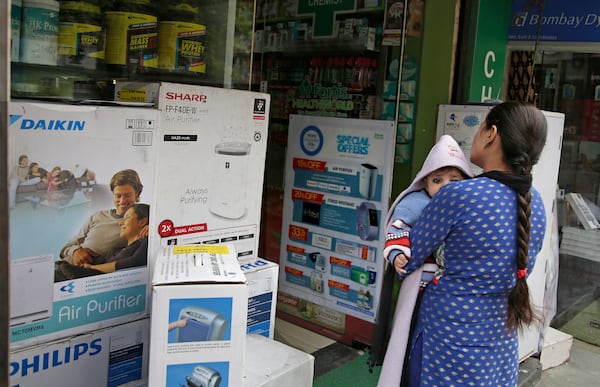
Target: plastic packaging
[
  {"x": 39, "y": 32},
  {"x": 15, "y": 29},
  {"x": 182, "y": 39},
  {"x": 81, "y": 34},
  {"x": 132, "y": 35}
]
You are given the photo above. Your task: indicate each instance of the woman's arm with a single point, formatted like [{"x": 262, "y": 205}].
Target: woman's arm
[
  {"x": 434, "y": 225},
  {"x": 131, "y": 256},
  {"x": 108, "y": 267},
  {"x": 137, "y": 256}
]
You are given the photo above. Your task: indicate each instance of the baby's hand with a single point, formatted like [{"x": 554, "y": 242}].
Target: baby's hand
[{"x": 399, "y": 262}]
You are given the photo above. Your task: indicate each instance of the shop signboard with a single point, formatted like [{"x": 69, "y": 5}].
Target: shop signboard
[{"x": 555, "y": 21}]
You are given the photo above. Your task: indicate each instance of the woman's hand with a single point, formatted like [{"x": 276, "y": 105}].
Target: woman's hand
[{"x": 83, "y": 256}]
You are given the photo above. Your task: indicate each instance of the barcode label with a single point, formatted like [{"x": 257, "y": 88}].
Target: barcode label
[{"x": 141, "y": 138}]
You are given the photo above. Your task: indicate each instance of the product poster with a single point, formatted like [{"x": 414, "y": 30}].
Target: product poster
[
  {"x": 74, "y": 173},
  {"x": 461, "y": 122},
  {"x": 337, "y": 188},
  {"x": 211, "y": 169}
]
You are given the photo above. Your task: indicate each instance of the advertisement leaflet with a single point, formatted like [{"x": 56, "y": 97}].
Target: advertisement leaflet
[{"x": 337, "y": 187}]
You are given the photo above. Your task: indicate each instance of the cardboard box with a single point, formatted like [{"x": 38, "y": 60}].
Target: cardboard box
[
  {"x": 271, "y": 363},
  {"x": 262, "y": 277},
  {"x": 212, "y": 152},
  {"x": 198, "y": 319},
  {"x": 115, "y": 356},
  {"x": 89, "y": 144}
]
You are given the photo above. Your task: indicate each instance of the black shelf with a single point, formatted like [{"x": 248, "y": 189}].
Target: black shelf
[{"x": 326, "y": 47}]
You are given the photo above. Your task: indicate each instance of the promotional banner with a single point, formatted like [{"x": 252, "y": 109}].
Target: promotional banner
[{"x": 337, "y": 186}]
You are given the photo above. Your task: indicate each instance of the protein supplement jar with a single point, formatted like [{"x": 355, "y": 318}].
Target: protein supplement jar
[
  {"x": 182, "y": 38},
  {"x": 132, "y": 35},
  {"x": 81, "y": 34}
]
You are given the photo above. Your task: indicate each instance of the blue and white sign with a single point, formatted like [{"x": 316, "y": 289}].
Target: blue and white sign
[{"x": 555, "y": 21}]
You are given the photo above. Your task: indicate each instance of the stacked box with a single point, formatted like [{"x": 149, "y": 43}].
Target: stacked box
[
  {"x": 115, "y": 356},
  {"x": 51, "y": 216},
  {"x": 262, "y": 277},
  {"x": 198, "y": 320},
  {"x": 212, "y": 152}
]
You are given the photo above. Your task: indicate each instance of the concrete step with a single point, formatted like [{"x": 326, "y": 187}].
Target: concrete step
[{"x": 556, "y": 349}]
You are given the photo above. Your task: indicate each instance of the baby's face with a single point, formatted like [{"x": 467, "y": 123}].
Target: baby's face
[{"x": 439, "y": 178}]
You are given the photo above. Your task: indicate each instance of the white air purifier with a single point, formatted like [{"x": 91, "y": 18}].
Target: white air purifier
[
  {"x": 367, "y": 181},
  {"x": 202, "y": 325},
  {"x": 31, "y": 289},
  {"x": 227, "y": 195}
]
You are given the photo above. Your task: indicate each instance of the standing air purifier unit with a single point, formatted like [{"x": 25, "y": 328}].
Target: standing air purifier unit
[
  {"x": 367, "y": 181},
  {"x": 227, "y": 193},
  {"x": 203, "y": 377},
  {"x": 202, "y": 325},
  {"x": 31, "y": 289}
]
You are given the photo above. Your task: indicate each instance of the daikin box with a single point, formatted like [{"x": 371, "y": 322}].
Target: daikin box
[
  {"x": 212, "y": 151},
  {"x": 62, "y": 160},
  {"x": 198, "y": 318},
  {"x": 115, "y": 356},
  {"x": 262, "y": 277}
]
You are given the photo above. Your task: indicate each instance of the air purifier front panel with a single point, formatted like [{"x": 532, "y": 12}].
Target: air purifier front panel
[
  {"x": 202, "y": 325},
  {"x": 228, "y": 191},
  {"x": 31, "y": 289}
]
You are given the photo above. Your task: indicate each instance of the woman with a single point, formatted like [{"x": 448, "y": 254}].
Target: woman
[
  {"x": 135, "y": 253},
  {"x": 100, "y": 234},
  {"x": 35, "y": 171},
  {"x": 492, "y": 227}
]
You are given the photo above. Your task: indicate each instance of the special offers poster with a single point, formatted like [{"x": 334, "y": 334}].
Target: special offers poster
[{"x": 337, "y": 185}]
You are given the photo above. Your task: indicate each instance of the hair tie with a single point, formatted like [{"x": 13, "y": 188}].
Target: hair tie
[{"x": 521, "y": 273}]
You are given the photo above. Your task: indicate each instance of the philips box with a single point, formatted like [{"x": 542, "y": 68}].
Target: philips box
[
  {"x": 115, "y": 356},
  {"x": 198, "y": 318},
  {"x": 62, "y": 159},
  {"x": 262, "y": 277},
  {"x": 212, "y": 151}
]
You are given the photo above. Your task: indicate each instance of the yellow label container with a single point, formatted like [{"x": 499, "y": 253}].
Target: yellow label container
[
  {"x": 182, "y": 46},
  {"x": 131, "y": 39}
]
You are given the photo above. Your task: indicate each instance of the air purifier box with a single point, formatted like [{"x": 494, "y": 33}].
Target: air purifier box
[
  {"x": 62, "y": 159},
  {"x": 198, "y": 317},
  {"x": 212, "y": 151},
  {"x": 262, "y": 277},
  {"x": 115, "y": 356}
]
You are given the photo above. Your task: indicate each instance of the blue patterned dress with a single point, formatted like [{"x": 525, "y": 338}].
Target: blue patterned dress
[{"x": 462, "y": 318}]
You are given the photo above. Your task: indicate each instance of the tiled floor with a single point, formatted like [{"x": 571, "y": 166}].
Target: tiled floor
[{"x": 580, "y": 370}]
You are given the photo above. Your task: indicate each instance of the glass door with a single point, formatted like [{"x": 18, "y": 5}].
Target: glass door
[
  {"x": 569, "y": 82},
  {"x": 90, "y": 49}
]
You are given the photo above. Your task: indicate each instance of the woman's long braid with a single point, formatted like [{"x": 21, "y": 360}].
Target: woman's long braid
[
  {"x": 520, "y": 310},
  {"x": 523, "y": 131}
]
